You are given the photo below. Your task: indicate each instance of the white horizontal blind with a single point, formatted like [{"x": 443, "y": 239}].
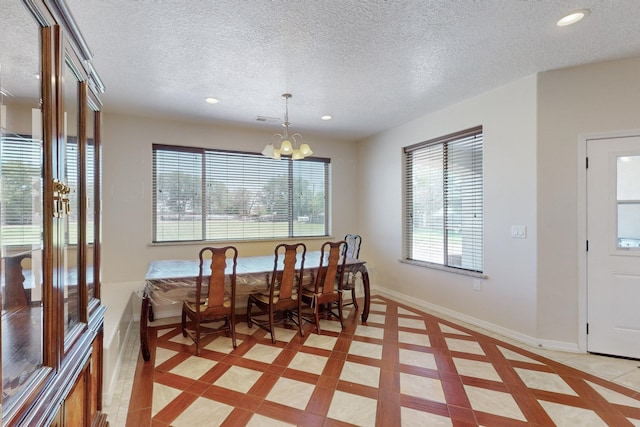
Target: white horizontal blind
[
  {"x": 216, "y": 195},
  {"x": 310, "y": 190},
  {"x": 72, "y": 175},
  {"x": 247, "y": 197},
  {"x": 20, "y": 190},
  {"x": 177, "y": 194},
  {"x": 443, "y": 191},
  {"x": 91, "y": 191},
  {"x": 425, "y": 201}
]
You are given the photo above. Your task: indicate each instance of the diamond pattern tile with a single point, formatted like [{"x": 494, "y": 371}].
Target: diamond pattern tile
[
  {"x": 366, "y": 349},
  {"x": 193, "y": 367},
  {"x": 262, "y": 353},
  {"x": 353, "y": 409},
  {"x": 422, "y": 387},
  {"x": 291, "y": 393},
  {"x": 306, "y": 362},
  {"x": 201, "y": 410},
  {"x": 361, "y": 374}
]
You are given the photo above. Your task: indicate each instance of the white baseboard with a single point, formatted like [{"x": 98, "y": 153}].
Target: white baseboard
[
  {"x": 119, "y": 300},
  {"x": 112, "y": 375},
  {"x": 478, "y": 323}
]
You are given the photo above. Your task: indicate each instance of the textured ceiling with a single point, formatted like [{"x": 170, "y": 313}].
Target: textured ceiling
[{"x": 372, "y": 65}]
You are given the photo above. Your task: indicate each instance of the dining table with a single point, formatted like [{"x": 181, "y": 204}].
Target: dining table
[{"x": 172, "y": 281}]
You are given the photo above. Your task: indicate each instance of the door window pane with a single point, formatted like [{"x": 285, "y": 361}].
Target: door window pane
[{"x": 628, "y": 202}]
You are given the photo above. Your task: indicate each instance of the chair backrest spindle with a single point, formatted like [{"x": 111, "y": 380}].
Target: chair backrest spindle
[
  {"x": 354, "y": 241},
  {"x": 216, "y": 281},
  {"x": 287, "y": 276},
  {"x": 327, "y": 276}
]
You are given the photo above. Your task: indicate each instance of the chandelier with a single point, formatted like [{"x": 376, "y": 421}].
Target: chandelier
[{"x": 290, "y": 145}]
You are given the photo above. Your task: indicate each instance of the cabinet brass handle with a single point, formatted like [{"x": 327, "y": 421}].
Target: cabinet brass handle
[{"x": 61, "y": 204}]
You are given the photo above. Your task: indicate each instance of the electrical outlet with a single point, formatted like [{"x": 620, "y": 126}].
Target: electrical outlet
[{"x": 477, "y": 284}]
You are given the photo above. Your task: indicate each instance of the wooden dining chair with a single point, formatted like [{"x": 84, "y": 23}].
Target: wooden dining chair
[
  {"x": 354, "y": 241},
  {"x": 327, "y": 289},
  {"x": 284, "y": 288},
  {"x": 214, "y": 302}
]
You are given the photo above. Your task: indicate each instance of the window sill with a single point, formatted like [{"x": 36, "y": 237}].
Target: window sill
[{"x": 445, "y": 268}]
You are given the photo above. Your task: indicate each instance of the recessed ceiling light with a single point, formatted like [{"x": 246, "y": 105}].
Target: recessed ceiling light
[
  {"x": 327, "y": 117},
  {"x": 573, "y": 17},
  {"x": 211, "y": 100}
]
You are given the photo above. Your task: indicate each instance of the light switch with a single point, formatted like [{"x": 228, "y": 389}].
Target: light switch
[{"x": 519, "y": 231}]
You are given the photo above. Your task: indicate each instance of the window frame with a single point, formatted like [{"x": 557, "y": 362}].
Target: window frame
[
  {"x": 206, "y": 179},
  {"x": 473, "y": 230}
]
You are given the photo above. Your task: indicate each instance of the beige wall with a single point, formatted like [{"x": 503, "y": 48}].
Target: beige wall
[
  {"x": 595, "y": 98},
  {"x": 508, "y": 296},
  {"x": 532, "y": 135},
  {"x": 126, "y": 202}
]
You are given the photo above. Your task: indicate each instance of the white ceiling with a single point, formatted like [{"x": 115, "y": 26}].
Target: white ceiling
[{"x": 370, "y": 64}]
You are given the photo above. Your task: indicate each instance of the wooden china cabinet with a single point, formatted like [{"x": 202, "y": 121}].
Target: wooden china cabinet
[{"x": 52, "y": 317}]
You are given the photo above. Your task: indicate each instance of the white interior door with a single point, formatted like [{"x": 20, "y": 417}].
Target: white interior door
[{"x": 613, "y": 257}]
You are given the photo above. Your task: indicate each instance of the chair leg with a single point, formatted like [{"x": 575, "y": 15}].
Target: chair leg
[
  {"x": 249, "y": 324},
  {"x": 232, "y": 327},
  {"x": 300, "y": 321},
  {"x": 271, "y": 328},
  {"x": 318, "y": 318},
  {"x": 184, "y": 322},
  {"x": 353, "y": 296},
  {"x": 196, "y": 336},
  {"x": 340, "y": 311}
]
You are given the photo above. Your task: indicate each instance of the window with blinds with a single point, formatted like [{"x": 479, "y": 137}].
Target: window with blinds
[
  {"x": 20, "y": 190},
  {"x": 214, "y": 195},
  {"x": 443, "y": 213}
]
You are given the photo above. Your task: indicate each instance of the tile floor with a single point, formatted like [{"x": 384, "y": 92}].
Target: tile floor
[{"x": 404, "y": 367}]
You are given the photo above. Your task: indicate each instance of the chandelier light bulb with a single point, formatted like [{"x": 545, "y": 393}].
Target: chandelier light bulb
[
  {"x": 305, "y": 150},
  {"x": 268, "y": 150},
  {"x": 286, "y": 147}
]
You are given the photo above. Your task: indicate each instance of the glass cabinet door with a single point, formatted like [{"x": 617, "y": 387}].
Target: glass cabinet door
[
  {"x": 91, "y": 183},
  {"x": 96, "y": 119},
  {"x": 21, "y": 204},
  {"x": 49, "y": 243}
]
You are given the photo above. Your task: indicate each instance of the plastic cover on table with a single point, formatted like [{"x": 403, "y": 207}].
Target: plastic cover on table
[{"x": 175, "y": 291}]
